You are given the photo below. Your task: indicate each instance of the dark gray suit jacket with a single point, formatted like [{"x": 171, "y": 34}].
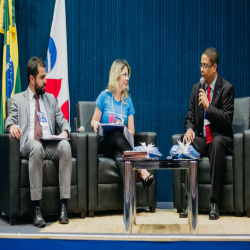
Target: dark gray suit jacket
[
  {"x": 20, "y": 115},
  {"x": 220, "y": 111}
]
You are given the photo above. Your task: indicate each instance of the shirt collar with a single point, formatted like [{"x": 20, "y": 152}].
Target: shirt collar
[
  {"x": 31, "y": 94},
  {"x": 212, "y": 85}
]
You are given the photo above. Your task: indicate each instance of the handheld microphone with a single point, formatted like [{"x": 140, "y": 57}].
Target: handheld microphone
[{"x": 202, "y": 81}]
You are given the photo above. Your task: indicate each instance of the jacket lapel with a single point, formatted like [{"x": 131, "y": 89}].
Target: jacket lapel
[
  {"x": 217, "y": 89},
  {"x": 27, "y": 104},
  {"x": 201, "y": 111}
]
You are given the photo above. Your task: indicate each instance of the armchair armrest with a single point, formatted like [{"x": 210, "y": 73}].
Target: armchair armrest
[
  {"x": 75, "y": 124},
  {"x": 238, "y": 171},
  {"x": 9, "y": 175},
  {"x": 92, "y": 171},
  {"x": 247, "y": 170},
  {"x": 175, "y": 138},
  {"x": 79, "y": 151},
  {"x": 147, "y": 137}
]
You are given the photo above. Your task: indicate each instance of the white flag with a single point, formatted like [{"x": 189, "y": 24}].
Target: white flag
[{"x": 57, "y": 59}]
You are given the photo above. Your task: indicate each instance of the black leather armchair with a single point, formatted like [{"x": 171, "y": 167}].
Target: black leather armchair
[
  {"x": 14, "y": 179},
  {"x": 235, "y": 191},
  {"x": 105, "y": 187},
  {"x": 246, "y": 174}
]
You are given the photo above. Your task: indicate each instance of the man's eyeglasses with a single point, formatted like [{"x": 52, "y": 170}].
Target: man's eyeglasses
[
  {"x": 205, "y": 66},
  {"x": 125, "y": 75}
]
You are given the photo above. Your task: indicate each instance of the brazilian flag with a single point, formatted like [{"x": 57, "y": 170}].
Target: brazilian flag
[{"x": 11, "y": 79}]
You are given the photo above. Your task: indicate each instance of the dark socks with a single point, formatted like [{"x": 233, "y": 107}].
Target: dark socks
[
  {"x": 36, "y": 203},
  {"x": 63, "y": 202},
  {"x": 212, "y": 200}
]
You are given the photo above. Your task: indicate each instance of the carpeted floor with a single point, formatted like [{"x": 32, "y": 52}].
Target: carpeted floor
[{"x": 162, "y": 222}]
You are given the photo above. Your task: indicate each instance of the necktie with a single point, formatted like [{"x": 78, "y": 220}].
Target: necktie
[
  {"x": 208, "y": 130},
  {"x": 38, "y": 131}
]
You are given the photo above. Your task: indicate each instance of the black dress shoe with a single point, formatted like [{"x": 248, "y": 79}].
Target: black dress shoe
[
  {"x": 184, "y": 213},
  {"x": 63, "y": 218},
  {"x": 38, "y": 218},
  {"x": 213, "y": 211}
]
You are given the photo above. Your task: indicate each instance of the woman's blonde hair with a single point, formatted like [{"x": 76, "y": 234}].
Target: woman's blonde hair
[{"x": 114, "y": 74}]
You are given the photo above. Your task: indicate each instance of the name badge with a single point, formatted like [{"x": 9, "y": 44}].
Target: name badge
[
  {"x": 42, "y": 119},
  {"x": 118, "y": 119},
  {"x": 206, "y": 122}
]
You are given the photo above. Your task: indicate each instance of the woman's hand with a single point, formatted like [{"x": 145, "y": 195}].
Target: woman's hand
[
  {"x": 96, "y": 119},
  {"x": 131, "y": 126},
  {"x": 95, "y": 125}
]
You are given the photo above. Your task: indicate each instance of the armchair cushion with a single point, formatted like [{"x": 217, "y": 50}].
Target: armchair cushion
[
  {"x": 85, "y": 111},
  {"x": 241, "y": 114},
  {"x": 204, "y": 171},
  {"x": 108, "y": 171}
]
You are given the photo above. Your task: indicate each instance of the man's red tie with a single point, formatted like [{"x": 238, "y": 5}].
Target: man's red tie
[
  {"x": 208, "y": 130},
  {"x": 38, "y": 130}
]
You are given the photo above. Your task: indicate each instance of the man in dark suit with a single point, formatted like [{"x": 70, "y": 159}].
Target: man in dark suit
[
  {"x": 35, "y": 114},
  {"x": 210, "y": 115}
]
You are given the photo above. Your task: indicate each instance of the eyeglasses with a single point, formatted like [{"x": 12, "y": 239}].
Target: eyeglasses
[
  {"x": 125, "y": 75},
  {"x": 205, "y": 66}
]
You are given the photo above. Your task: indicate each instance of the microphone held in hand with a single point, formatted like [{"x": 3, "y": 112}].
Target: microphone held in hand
[{"x": 202, "y": 81}]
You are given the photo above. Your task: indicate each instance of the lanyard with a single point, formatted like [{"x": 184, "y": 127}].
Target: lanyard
[{"x": 113, "y": 106}]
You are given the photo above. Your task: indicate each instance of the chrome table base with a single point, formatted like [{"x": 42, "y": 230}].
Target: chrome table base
[{"x": 129, "y": 212}]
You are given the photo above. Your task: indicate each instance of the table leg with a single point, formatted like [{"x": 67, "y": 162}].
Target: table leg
[
  {"x": 134, "y": 197},
  {"x": 193, "y": 197},
  {"x": 128, "y": 197}
]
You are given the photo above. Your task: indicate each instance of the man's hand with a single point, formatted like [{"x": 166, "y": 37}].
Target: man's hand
[
  {"x": 189, "y": 136},
  {"x": 203, "y": 99},
  {"x": 15, "y": 131},
  {"x": 64, "y": 134}
]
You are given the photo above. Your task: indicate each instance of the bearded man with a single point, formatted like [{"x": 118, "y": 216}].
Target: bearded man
[{"x": 34, "y": 115}]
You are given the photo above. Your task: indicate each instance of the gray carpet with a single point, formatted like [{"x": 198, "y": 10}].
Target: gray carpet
[
  {"x": 25, "y": 224},
  {"x": 166, "y": 220}
]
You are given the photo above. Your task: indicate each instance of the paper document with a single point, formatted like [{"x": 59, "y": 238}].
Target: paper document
[
  {"x": 104, "y": 128},
  {"x": 54, "y": 137},
  {"x": 129, "y": 137}
]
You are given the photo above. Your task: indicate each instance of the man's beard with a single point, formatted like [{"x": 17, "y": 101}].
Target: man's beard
[{"x": 39, "y": 90}]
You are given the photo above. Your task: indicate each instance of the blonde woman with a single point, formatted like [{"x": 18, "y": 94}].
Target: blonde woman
[{"x": 114, "y": 104}]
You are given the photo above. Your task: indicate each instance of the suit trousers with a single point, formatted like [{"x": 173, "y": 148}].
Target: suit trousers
[
  {"x": 216, "y": 152},
  {"x": 36, "y": 153},
  {"x": 112, "y": 146}
]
